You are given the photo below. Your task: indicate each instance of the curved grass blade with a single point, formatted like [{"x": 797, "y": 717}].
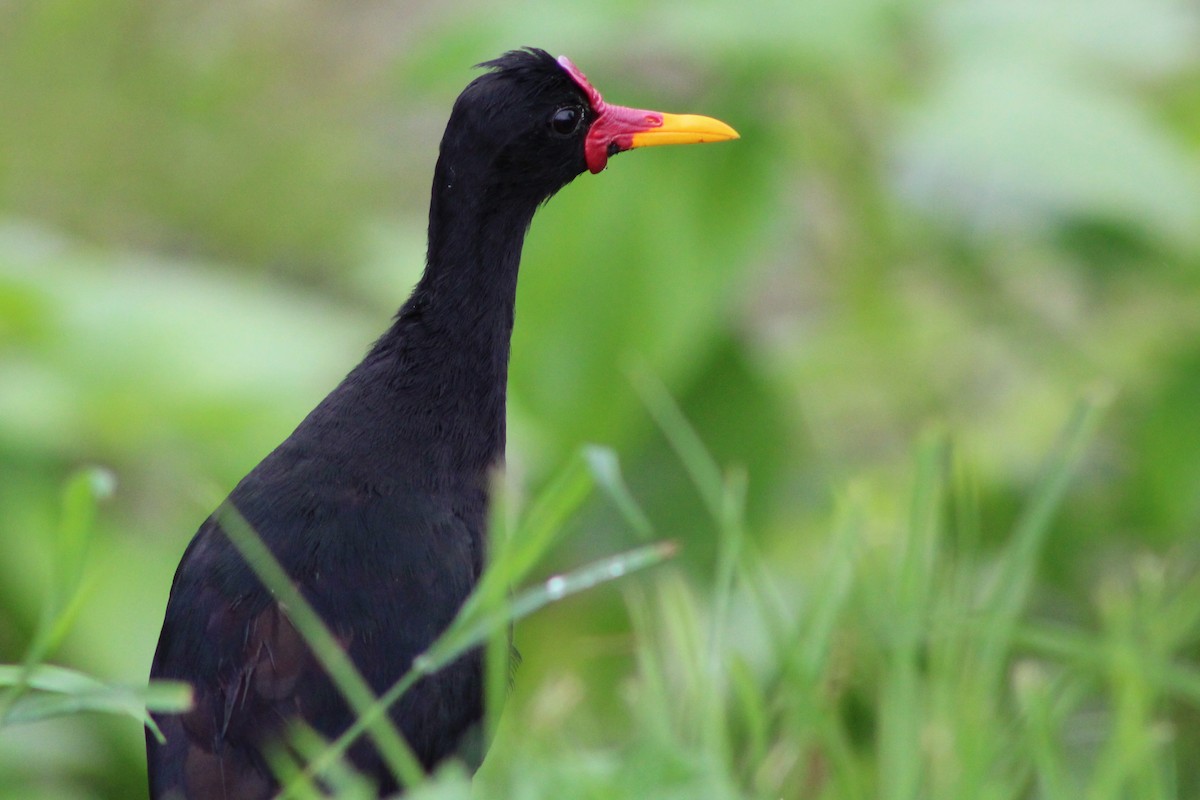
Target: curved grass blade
[
  {"x": 81, "y": 494},
  {"x": 337, "y": 664},
  {"x": 474, "y": 625},
  {"x": 56, "y": 691}
]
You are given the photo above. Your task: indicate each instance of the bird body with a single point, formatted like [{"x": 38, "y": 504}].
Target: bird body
[{"x": 376, "y": 505}]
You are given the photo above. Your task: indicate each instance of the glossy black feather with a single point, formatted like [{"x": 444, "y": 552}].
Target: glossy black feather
[{"x": 376, "y": 504}]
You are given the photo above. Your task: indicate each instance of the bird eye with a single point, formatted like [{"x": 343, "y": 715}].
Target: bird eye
[{"x": 566, "y": 120}]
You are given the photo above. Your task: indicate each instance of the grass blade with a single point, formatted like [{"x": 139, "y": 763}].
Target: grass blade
[
  {"x": 472, "y": 627},
  {"x": 81, "y": 494},
  {"x": 1013, "y": 583},
  {"x": 325, "y": 648},
  {"x": 606, "y": 471}
]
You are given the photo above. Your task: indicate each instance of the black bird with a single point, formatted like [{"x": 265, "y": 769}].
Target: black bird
[{"x": 376, "y": 505}]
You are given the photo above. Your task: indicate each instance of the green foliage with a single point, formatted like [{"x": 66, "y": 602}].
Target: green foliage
[
  {"x": 34, "y": 691},
  {"x": 57, "y": 692},
  {"x": 946, "y": 217},
  {"x": 913, "y": 665}
]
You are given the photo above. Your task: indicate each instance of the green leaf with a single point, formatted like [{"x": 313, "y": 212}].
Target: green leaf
[{"x": 58, "y": 691}]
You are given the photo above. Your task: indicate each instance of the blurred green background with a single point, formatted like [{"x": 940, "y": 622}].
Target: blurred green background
[{"x": 957, "y": 214}]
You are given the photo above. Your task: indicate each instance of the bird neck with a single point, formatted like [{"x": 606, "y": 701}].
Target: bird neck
[
  {"x": 476, "y": 232},
  {"x": 467, "y": 294},
  {"x": 447, "y": 352}
]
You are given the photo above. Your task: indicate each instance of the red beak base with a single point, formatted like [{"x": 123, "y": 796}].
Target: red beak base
[{"x": 616, "y": 128}]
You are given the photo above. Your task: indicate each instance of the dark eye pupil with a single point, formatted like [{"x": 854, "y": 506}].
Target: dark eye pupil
[{"x": 565, "y": 120}]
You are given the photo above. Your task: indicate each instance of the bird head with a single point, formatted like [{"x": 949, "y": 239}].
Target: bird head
[{"x": 542, "y": 123}]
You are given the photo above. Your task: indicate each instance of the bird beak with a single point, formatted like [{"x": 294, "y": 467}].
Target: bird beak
[
  {"x": 683, "y": 129},
  {"x": 616, "y": 128}
]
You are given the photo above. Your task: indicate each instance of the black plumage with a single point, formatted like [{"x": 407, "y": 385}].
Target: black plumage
[{"x": 376, "y": 505}]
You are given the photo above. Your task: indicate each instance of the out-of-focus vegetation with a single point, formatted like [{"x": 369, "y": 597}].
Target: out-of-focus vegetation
[{"x": 958, "y": 215}]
